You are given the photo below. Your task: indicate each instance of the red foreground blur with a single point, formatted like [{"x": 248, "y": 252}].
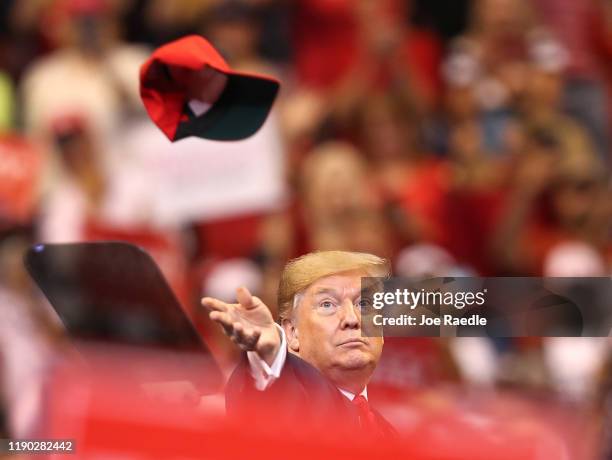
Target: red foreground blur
[{"x": 108, "y": 417}]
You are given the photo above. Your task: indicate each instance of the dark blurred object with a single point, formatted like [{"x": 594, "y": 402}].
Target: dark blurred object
[
  {"x": 111, "y": 292},
  {"x": 20, "y": 39},
  {"x": 3, "y": 430},
  {"x": 114, "y": 293},
  {"x": 158, "y": 21},
  {"x": 447, "y": 19},
  {"x": 275, "y": 24},
  {"x": 6, "y": 8}
]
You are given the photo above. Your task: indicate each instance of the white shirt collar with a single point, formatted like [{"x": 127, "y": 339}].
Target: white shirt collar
[{"x": 350, "y": 396}]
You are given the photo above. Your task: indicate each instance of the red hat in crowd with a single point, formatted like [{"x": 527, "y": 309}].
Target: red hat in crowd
[{"x": 191, "y": 69}]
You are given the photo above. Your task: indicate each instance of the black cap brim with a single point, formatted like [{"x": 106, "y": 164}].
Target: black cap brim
[{"x": 239, "y": 112}]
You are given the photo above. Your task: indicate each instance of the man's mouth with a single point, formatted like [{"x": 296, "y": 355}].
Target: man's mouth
[{"x": 353, "y": 342}]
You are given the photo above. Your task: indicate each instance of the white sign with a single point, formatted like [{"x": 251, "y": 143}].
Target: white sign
[{"x": 197, "y": 179}]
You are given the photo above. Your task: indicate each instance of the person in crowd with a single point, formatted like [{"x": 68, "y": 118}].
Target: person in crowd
[
  {"x": 340, "y": 206},
  {"x": 234, "y": 29},
  {"x": 92, "y": 73},
  {"x": 541, "y": 101},
  {"x": 79, "y": 190},
  {"x": 581, "y": 28},
  {"x": 556, "y": 198}
]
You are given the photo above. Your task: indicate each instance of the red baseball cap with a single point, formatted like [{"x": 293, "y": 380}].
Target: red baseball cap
[{"x": 238, "y": 112}]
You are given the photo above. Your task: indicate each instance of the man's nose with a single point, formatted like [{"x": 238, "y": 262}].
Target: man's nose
[{"x": 350, "y": 318}]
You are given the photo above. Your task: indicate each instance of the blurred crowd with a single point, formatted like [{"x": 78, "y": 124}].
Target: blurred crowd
[{"x": 463, "y": 138}]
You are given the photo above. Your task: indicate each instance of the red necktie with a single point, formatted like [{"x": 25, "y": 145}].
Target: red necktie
[{"x": 367, "y": 419}]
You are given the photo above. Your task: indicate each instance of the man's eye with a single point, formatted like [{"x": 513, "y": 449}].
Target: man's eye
[
  {"x": 327, "y": 304},
  {"x": 363, "y": 303}
]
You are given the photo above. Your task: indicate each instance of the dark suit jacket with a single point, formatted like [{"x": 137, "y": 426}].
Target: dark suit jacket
[{"x": 301, "y": 397}]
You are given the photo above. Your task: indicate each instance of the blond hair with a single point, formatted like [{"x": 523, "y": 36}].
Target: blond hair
[{"x": 300, "y": 273}]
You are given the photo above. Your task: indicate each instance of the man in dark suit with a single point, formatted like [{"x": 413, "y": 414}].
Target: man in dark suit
[{"x": 315, "y": 366}]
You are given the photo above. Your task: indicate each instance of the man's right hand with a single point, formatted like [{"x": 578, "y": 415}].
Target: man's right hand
[{"x": 248, "y": 323}]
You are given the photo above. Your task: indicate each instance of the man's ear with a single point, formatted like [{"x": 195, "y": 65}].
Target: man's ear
[{"x": 293, "y": 341}]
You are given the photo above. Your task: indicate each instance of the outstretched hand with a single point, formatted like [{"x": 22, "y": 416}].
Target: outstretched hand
[{"x": 248, "y": 323}]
